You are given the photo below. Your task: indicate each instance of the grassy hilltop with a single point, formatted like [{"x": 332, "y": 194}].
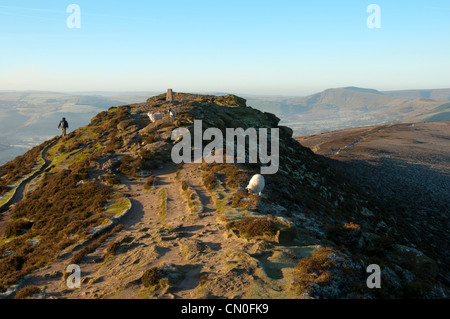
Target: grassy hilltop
[{"x": 109, "y": 198}]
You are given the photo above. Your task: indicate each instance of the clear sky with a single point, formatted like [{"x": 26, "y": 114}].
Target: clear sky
[{"x": 240, "y": 46}]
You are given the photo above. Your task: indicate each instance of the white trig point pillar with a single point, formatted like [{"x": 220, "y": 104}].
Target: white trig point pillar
[{"x": 169, "y": 96}]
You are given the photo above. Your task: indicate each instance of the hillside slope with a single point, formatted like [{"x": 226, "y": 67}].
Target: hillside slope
[
  {"x": 404, "y": 165},
  {"x": 111, "y": 201},
  {"x": 27, "y": 118}
]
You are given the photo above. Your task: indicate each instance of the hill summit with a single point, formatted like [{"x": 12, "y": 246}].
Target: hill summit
[{"x": 109, "y": 199}]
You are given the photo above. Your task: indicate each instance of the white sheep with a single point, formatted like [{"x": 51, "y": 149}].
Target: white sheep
[
  {"x": 172, "y": 113},
  {"x": 154, "y": 116},
  {"x": 256, "y": 184}
]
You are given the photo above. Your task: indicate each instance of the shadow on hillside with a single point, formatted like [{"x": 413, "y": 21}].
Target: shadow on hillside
[
  {"x": 414, "y": 197},
  {"x": 399, "y": 183}
]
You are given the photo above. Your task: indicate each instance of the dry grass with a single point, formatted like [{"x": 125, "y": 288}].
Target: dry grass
[
  {"x": 113, "y": 143},
  {"x": 151, "y": 277},
  {"x": 146, "y": 155},
  {"x": 111, "y": 180},
  {"x": 129, "y": 166},
  {"x": 112, "y": 249},
  {"x": 192, "y": 198},
  {"x": 19, "y": 167},
  {"x": 17, "y": 228},
  {"x": 313, "y": 270},
  {"x": 209, "y": 180},
  {"x": 149, "y": 184},
  {"x": 149, "y": 138},
  {"x": 66, "y": 205},
  {"x": 243, "y": 200},
  {"x": 77, "y": 258},
  {"x": 254, "y": 227},
  {"x": 27, "y": 292},
  {"x": 179, "y": 169},
  {"x": 62, "y": 211},
  {"x": 352, "y": 226},
  {"x": 235, "y": 175}
]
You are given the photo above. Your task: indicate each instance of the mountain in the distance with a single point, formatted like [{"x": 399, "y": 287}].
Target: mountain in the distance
[
  {"x": 27, "y": 118},
  {"x": 348, "y": 107}
]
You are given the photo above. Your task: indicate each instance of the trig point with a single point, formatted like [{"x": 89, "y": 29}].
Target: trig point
[{"x": 169, "y": 96}]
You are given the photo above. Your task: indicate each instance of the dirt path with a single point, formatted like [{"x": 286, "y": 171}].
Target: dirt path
[
  {"x": 148, "y": 241},
  {"x": 6, "y": 210},
  {"x": 161, "y": 238},
  {"x": 192, "y": 250}
]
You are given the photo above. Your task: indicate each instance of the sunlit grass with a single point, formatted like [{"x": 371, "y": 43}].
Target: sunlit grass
[{"x": 163, "y": 205}]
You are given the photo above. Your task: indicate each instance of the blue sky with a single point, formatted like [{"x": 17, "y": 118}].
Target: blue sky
[{"x": 255, "y": 47}]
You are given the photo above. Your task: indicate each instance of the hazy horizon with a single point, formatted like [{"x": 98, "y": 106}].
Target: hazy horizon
[{"x": 103, "y": 92}]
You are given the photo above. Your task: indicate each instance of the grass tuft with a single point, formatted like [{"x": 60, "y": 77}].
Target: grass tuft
[
  {"x": 254, "y": 227},
  {"x": 151, "y": 277},
  {"x": 313, "y": 270},
  {"x": 27, "y": 292}
]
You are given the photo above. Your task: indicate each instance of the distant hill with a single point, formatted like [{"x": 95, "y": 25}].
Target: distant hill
[
  {"x": 28, "y": 118},
  {"x": 348, "y": 107}
]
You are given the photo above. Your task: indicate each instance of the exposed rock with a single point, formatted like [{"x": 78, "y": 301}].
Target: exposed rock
[{"x": 286, "y": 232}]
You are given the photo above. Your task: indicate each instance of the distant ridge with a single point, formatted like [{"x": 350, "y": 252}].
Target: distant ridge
[
  {"x": 354, "y": 88},
  {"x": 346, "y": 107},
  {"x": 436, "y": 94}
]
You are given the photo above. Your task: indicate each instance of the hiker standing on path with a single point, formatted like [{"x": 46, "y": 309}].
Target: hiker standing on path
[{"x": 63, "y": 125}]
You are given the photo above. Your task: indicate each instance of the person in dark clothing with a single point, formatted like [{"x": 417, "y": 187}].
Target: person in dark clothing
[{"x": 63, "y": 125}]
